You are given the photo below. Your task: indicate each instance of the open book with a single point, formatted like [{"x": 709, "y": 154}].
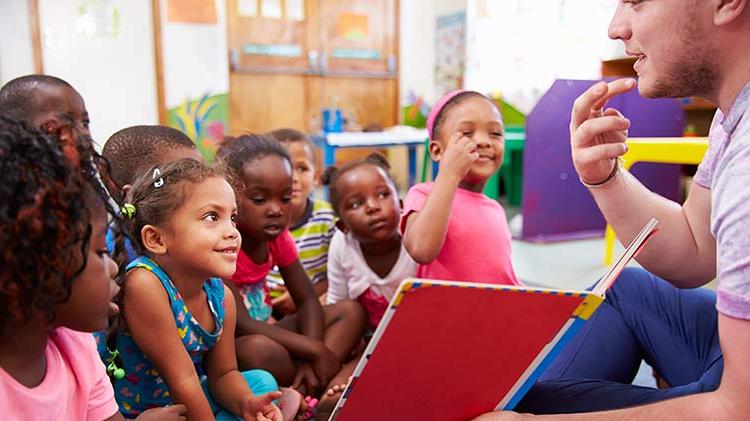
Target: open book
[{"x": 453, "y": 350}]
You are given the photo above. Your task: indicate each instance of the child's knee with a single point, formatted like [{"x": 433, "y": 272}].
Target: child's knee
[
  {"x": 350, "y": 311},
  {"x": 261, "y": 351}
]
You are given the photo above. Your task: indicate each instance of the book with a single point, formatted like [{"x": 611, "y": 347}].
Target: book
[{"x": 448, "y": 350}]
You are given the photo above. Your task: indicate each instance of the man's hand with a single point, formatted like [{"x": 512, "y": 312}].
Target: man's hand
[{"x": 597, "y": 136}]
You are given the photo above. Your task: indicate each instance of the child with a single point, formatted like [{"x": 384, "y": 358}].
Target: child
[
  {"x": 49, "y": 104},
  {"x": 132, "y": 151},
  {"x": 310, "y": 347},
  {"x": 312, "y": 220},
  {"x": 367, "y": 258},
  {"x": 450, "y": 228},
  {"x": 178, "y": 319},
  {"x": 56, "y": 283}
]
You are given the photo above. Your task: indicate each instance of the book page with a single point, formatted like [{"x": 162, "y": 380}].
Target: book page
[{"x": 630, "y": 252}]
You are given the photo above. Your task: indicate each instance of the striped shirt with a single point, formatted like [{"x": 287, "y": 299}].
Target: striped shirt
[{"x": 312, "y": 237}]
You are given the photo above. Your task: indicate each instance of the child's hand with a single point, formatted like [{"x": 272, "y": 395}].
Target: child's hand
[
  {"x": 305, "y": 380},
  {"x": 458, "y": 157},
  {"x": 175, "y": 412},
  {"x": 284, "y": 304},
  {"x": 326, "y": 364},
  {"x": 262, "y": 408}
]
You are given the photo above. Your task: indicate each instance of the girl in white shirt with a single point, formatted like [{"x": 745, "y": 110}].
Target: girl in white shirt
[{"x": 366, "y": 260}]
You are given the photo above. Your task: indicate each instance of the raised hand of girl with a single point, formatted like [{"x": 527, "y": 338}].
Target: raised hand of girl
[
  {"x": 458, "y": 156},
  {"x": 262, "y": 408}
]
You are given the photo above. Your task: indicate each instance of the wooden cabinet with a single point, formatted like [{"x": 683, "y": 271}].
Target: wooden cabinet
[{"x": 285, "y": 68}]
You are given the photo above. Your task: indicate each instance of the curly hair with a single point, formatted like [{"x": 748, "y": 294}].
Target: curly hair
[
  {"x": 45, "y": 213},
  {"x": 235, "y": 152},
  {"x": 332, "y": 174}
]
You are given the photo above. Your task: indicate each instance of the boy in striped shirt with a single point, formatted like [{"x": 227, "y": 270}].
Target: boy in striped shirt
[{"x": 312, "y": 220}]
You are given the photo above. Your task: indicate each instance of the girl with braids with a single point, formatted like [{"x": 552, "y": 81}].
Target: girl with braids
[
  {"x": 308, "y": 350},
  {"x": 178, "y": 319},
  {"x": 56, "y": 282},
  {"x": 367, "y": 259}
]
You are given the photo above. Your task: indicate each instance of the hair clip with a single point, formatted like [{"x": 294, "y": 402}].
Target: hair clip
[
  {"x": 160, "y": 182},
  {"x": 128, "y": 210},
  {"x": 112, "y": 369}
]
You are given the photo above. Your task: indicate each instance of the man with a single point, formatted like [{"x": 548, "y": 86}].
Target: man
[{"x": 683, "y": 48}]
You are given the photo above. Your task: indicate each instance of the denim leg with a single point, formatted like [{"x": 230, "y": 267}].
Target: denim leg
[{"x": 643, "y": 318}]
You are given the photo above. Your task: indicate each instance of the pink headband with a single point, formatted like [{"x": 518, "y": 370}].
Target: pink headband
[{"x": 438, "y": 107}]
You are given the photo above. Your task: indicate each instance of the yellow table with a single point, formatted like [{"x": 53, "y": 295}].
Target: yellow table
[{"x": 666, "y": 150}]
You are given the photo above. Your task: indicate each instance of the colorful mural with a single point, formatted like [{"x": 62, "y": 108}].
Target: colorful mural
[{"x": 205, "y": 120}]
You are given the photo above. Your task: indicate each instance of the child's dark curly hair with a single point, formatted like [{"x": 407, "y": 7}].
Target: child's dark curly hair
[
  {"x": 45, "y": 213},
  {"x": 332, "y": 174},
  {"x": 235, "y": 152}
]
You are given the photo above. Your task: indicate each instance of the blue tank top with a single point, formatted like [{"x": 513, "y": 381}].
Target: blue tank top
[{"x": 142, "y": 387}]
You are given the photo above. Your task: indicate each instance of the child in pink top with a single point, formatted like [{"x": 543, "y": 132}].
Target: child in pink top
[
  {"x": 56, "y": 282},
  {"x": 450, "y": 228}
]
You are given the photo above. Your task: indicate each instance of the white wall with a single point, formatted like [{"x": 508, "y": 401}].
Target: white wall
[
  {"x": 16, "y": 52},
  {"x": 112, "y": 69},
  {"x": 195, "y": 57},
  {"x": 417, "y": 44},
  {"x": 508, "y": 52}
]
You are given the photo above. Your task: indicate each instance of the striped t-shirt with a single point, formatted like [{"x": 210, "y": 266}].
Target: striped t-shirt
[{"x": 312, "y": 237}]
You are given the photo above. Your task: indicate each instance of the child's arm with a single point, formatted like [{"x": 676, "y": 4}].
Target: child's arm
[
  {"x": 151, "y": 323},
  {"x": 227, "y": 385},
  {"x": 425, "y": 230}
]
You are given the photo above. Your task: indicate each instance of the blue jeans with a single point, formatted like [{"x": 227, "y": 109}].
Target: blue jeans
[
  {"x": 643, "y": 318},
  {"x": 260, "y": 382}
]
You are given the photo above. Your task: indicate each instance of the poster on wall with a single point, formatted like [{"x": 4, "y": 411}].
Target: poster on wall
[{"x": 450, "y": 52}]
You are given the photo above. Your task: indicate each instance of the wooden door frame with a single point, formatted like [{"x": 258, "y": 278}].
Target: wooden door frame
[
  {"x": 36, "y": 35},
  {"x": 161, "y": 101}
]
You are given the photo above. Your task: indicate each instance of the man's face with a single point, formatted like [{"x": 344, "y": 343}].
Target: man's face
[{"x": 671, "y": 41}]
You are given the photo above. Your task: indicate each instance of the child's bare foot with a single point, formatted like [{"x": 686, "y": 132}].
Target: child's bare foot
[{"x": 329, "y": 400}]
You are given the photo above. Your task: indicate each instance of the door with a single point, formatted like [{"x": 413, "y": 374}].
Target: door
[{"x": 292, "y": 58}]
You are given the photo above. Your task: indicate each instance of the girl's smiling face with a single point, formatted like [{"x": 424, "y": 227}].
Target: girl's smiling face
[
  {"x": 478, "y": 119},
  {"x": 267, "y": 197}
]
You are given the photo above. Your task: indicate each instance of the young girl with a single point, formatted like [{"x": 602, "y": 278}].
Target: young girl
[
  {"x": 306, "y": 350},
  {"x": 367, "y": 260},
  {"x": 450, "y": 228},
  {"x": 312, "y": 221},
  {"x": 56, "y": 283},
  {"x": 178, "y": 319}
]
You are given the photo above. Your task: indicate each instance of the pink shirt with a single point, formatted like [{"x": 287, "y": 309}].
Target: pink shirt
[
  {"x": 75, "y": 387},
  {"x": 281, "y": 252},
  {"x": 477, "y": 243}
]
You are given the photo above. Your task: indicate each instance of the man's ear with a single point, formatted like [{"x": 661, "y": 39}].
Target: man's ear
[
  {"x": 341, "y": 226},
  {"x": 728, "y": 11},
  {"x": 436, "y": 150},
  {"x": 153, "y": 240}
]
